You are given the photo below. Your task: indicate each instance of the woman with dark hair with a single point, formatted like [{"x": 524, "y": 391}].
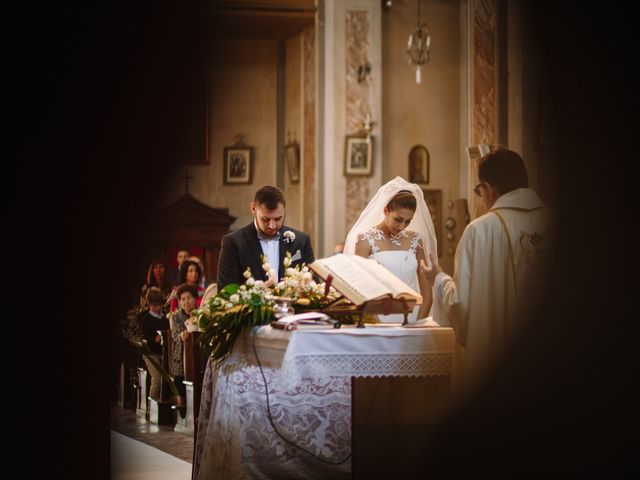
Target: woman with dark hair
[
  {"x": 190, "y": 273},
  {"x": 396, "y": 230},
  {"x": 158, "y": 277}
]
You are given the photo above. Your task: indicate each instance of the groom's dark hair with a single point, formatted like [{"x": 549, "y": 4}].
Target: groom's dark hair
[{"x": 270, "y": 197}]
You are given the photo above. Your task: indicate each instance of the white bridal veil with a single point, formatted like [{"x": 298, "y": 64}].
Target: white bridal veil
[{"x": 373, "y": 214}]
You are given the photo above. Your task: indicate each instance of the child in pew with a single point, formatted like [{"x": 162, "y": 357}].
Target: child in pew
[
  {"x": 187, "y": 294},
  {"x": 151, "y": 322}
]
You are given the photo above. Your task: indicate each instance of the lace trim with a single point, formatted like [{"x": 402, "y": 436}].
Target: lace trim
[
  {"x": 414, "y": 241},
  {"x": 374, "y": 233},
  {"x": 235, "y": 439},
  {"x": 359, "y": 365},
  {"x": 371, "y": 236}
]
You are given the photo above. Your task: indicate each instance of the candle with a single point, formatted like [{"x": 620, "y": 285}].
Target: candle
[{"x": 418, "y": 75}]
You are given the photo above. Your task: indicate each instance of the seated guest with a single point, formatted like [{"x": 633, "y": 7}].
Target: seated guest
[
  {"x": 190, "y": 273},
  {"x": 187, "y": 294},
  {"x": 152, "y": 322},
  {"x": 158, "y": 277},
  {"x": 181, "y": 256},
  {"x": 204, "y": 281}
]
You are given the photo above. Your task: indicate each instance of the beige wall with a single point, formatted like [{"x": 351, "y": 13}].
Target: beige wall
[
  {"x": 427, "y": 113},
  {"x": 293, "y": 123},
  {"x": 242, "y": 100}
]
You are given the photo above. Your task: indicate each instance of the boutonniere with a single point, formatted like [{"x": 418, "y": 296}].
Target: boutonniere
[{"x": 289, "y": 236}]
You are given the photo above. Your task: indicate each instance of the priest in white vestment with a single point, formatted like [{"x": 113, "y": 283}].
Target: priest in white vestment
[{"x": 498, "y": 270}]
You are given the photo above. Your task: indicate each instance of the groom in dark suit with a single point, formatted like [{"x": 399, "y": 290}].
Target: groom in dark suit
[{"x": 267, "y": 236}]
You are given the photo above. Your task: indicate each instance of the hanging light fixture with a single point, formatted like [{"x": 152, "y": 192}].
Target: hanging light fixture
[{"x": 418, "y": 54}]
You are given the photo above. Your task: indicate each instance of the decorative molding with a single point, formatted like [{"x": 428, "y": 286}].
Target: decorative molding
[
  {"x": 309, "y": 205},
  {"x": 484, "y": 77},
  {"x": 484, "y": 72}
]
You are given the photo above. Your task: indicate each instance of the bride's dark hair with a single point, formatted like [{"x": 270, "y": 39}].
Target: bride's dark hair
[{"x": 402, "y": 199}]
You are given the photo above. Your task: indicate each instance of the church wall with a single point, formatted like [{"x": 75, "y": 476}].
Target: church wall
[
  {"x": 292, "y": 124},
  {"x": 243, "y": 83},
  {"x": 427, "y": 113},
  {"x": 350, "y": 37}
]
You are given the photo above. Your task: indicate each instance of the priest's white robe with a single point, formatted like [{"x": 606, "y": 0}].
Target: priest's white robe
[{"x": 499, "y": 264}]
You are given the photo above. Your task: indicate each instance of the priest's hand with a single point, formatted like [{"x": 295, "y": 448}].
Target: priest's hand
[{"x": 429, "y": 274}]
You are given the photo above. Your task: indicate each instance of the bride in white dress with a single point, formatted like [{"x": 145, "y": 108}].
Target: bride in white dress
[{"x": 396, "y": 230}]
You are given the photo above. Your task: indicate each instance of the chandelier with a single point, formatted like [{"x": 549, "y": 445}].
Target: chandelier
[{"x": 418, "y": 54}]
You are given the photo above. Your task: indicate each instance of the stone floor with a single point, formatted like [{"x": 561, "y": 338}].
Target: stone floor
[
  {"x": 134, "y": 460},
  {"x": 164, "y": 438}
]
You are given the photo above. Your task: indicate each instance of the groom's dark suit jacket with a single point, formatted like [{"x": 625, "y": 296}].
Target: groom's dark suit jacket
[{"x": 241, "y": 249}]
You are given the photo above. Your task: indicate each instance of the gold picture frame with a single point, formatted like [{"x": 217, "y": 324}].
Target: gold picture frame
[
  {"x": 358, "y": 156},
  {"x": 238, "y": 165},
  {"x": 419, "y": 165}
]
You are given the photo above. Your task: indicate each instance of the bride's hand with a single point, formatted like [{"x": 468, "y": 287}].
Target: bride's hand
[{"x": 429, "y": 274}]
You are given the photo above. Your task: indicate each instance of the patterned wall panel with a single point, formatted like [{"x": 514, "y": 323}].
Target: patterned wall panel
[
  {"x": 358, "y": 103},
  {"x": 484, "y": 108}
]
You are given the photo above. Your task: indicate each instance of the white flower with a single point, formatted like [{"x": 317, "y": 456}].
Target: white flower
[
  {"x": 247, "y": 273},
  {"x": 272, "y": 273},
  {"x": 306, "y": 276},
  {"x": 291, "y": 272},
  {"x": 259, "y": 283},
  {"x": 266, "y": 266},
  {"x": 289, "y": 236},
  {"x": 305, "y": 269},
  {"x": 292, "y": 282},
  {"x": 229, "y": 305},
  {"x": 286, "y": 261},
  {"x": 250, "y": 281},
  {"x": 280, "y": 285},
  {"x": 235, "y": 298}
]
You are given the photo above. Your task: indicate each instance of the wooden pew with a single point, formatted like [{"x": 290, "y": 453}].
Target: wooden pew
[
  {"x": 160, "y": 410},
  {"x": 195, "y": 363}
]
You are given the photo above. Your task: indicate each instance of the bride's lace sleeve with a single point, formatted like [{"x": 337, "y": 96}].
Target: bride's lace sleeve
[
  {"x": 416, "y": 242},
  {"x": 370, "y": 236}
]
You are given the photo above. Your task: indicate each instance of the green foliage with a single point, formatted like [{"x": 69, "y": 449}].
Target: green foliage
[
  {"x": 222, "y": 321},
  {"x": 237, "y": 306}
]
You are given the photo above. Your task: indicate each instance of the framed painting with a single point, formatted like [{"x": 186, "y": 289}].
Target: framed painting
[
  {"x": 419, "y": 165},
  {"x": 238, "y": 165},
  {"x": 193, "y": 115},
  {"x": 292, "y": 156},
  {"x": 358, "y": 156}
]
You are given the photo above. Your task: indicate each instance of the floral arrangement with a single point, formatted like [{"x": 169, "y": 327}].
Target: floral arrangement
[
  {"x": 237, "y": 306},
  {"x": 289, "y": 236}
]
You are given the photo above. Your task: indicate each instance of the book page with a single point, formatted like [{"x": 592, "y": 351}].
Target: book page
[
  {"x": 351, "y": 279},
  {"x": 397, "y": 287}
]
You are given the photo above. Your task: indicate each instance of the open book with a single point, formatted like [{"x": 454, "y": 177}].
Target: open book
[
  {"x": 362, "y": 279},
  {"x": 304, "y": 321}
]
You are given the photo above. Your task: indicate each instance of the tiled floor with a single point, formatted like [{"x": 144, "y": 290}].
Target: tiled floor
[{"x": 126, "y": 422}]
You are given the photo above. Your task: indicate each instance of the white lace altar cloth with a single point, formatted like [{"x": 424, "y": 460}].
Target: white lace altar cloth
[
  {"x": 312, "y": 409},
  {"x": 373, "y": 351}
]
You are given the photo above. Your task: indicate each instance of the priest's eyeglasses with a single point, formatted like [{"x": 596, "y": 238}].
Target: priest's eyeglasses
[{"x": 476, "y": 189}]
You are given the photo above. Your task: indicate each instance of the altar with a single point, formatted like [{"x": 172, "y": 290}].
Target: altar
[{"x": 310, "y": 403}]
